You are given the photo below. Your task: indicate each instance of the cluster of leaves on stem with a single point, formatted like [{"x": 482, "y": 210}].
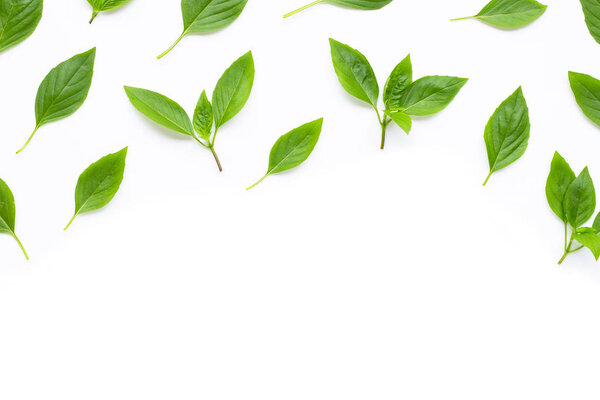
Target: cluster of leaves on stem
[{"x": 402, "y": 96}]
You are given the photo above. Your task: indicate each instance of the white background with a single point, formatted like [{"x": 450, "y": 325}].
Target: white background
[{"x": 363, "y": 274}]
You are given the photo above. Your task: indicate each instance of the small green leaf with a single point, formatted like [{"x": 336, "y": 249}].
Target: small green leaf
[
  {"x": 507, "y": 132},
  {"x": 99, "y": 183},
  {"x": 587, "y": 94},
  {"x": 510, "y": 14},
  {"x": 580, "y": 200},
  {"x": 399, "y": 80},
  {"x": 430, "y": 95},
  {"x": 401, "y": 119},
  {"x": 560, "y": 178},
  {"x": 160, "y": 109},
  {"x": 7, "y": 214},
  {"x": 354, "y": 72},
  {"x": 591, "y": 240},
  {"x": 105, "y": 5},
  {"x": 18, "y": 20},
  {"x": 293, "y": 148},
  {"x": 591, "y": 11},
  {"x": 356, "y": 4},
  {"x": 204, "y": 16},
  {"x": 233, "y": 89},
  {"x": 203, "y": 117}
]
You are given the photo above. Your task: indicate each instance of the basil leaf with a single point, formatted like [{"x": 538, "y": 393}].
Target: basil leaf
[
  {"x": 7, "y": 214},
  {"x": 587, "y": 94},
  {"x": 399, "y": 80},
  {"x": 63, "y": 90},
  {"x": 591, "y": 11},
  {"x": 591, "y": 240},
  {"x": 233, "y": 89},
  {"x": 160, "y": 109},
  {"x": 18, "y": 20},
  {"x": 293, "y": 148},
  {"x": 430, "y": 95},
  {"x": 560, "y": 178},
  {"x": 356, "y": 4},
  {"x": 510, "y": 14},
  {"x": 204, "y": 16},
  {"x": 580, "y": 200},
  {"x": 596, "y": 224},
  {"x": 99, "y": 183},
  {"x": 105, "y": 5},
  {"x": 203, "y": 117},
  {"x": 507, "y": 132},
  {"x": 401, "y": 119},
  {"x": 354, "y": 72}
]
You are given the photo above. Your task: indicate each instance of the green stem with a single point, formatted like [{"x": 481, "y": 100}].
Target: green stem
[
  {"x": 261, "y": 179},
  {"x": 463, "y": 18},
  {"x": 70, "y": 222},
  {"x": 568, "y": 247},
  {"x": 94, "y": 15},
  {"x": 20, "y": 245},
  {"x": 28, "y": 140},
  {"x": 302, "y": 8},
  {"x": 488, "y": 178},
  {"x": 214, "y": 153},
  {"x": 172, "y": 46}
]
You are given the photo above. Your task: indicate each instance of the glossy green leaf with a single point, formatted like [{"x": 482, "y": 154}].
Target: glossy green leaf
[
  {"x": 160, "y": 109},
  {"x": 399, "y": 80},
  {"x": 587, "y": 94},
  {"x": 104, "y": 5},
  {"x": 18, "y": 20},
  {"x": 7, "y": 214},
  {"x": 402, "y": 120},
  {"x": 510, "y": 14},
  {"x": 591, "y": 11},
  {"x": 203, "y": 117},
  {"x": 507, "y": 132},
  {"x": 63, "y": 90},
  {"x": 356, "y": 4},
  {"x": 560, "y": 178},
  {"x": 233, "y": 89},
  {"x": 429, "y": 95},
  {"x": 293, "y": 148},
  {"x": 99, "y": 183},
  {"x": 580, "y": 200},
  {"x": 204, "y": 16},
  {"x": 591, "y": 240}
]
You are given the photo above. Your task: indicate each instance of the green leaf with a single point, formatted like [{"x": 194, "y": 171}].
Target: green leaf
[
  {"x": 507, "y": 132},
  {"x": 160, "y": 109},
  {"x": 204, "y": 16},
  {"x": 591, "y": 240},
  {"x": 429, "y": 95},
  {"x": 596, "y": 224},
  {"x": 560, "y": 178},
  {"x": 99, "y": 183},
  {"x": 399, "y": 80},
  {"x": 510, "y": 14},
  {"x": 356, "y": 4},
  {"x": 354, "y": 72},
  {"x": 233, "y": 89},
  {"x": 580, "y": 200},
  {"x": 7, "y": 214},
  {"x": 591, "y": 11},
  {"x": 293, "y": 148},
  {"x": 105, "y": 5},
  {"x": 203, "y": 117},
  {"x": 63, "y": 90},
  {"x": 401, "y": 119},
  {"x": 587, "y": 94},
  {"x": 18, "y": 20}
]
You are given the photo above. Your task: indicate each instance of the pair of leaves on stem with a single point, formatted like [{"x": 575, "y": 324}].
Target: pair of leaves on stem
[
  {"x": 402, "y": 97},
  {"x": 573, "y": 200},
  {"x": 18, "y": 20},
  {"x": 507, "y": 132},
  {"x": 8, "y": 213},
  {"x": 587, "y": 94},
  {"x": 509, "y": 14},
  {"x": 356, "y": 4},
  {"x": 205, "y": 16},
  {"x": 99, "y": 6},
  {"x": 229, "y": 97},
  {"x": 63, "y": 90}
]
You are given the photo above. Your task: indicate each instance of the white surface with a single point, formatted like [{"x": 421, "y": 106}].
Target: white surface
[{"x": 361, "y": 275}]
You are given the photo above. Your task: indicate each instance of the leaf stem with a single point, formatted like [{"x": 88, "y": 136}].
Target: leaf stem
[
  {"x": 28, "y": 140},
  {"x": 302, "y": 8},
  {"x": 70, "y": 222},
  {"x": 94, "y": 15},
  {"x": 172, "y": 46},
  {"x": 568, "y": 246},
  {"x": 463, "y": 18},
  {"x": 20, "y": 245},
  {"x": 214, "y": 153},
  {"x": 261, "y": 179},
  {"x": 488, "y": 178}
]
